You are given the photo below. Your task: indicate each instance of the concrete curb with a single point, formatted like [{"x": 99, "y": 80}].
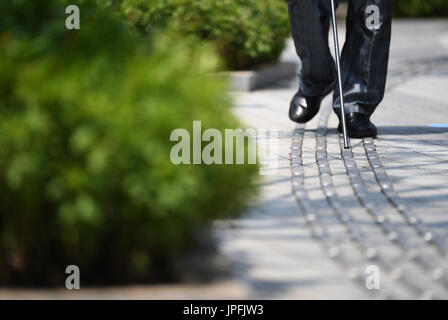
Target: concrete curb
[{"x": 250, "y": 80}]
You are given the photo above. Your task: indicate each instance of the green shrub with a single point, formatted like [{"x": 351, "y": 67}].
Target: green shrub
[
  {"x": 85, "y": 121},
  {"x": 419, "y": 8},
  {"x": 246, "y": 33}
]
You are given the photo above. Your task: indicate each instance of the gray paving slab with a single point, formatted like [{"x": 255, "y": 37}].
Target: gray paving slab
[{"x": 402, "y": 176}]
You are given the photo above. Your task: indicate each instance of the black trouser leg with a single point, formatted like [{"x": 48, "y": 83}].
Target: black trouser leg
[
  {"x": 310, "y": 23},
  {"x": 365, "y": 57}
]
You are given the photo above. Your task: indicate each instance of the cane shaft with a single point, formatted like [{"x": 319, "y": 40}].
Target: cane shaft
[{"x": 338, "y": 70}]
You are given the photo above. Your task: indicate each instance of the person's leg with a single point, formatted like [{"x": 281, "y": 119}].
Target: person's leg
[
  {"x": 365, "y": 57},
  {"x": 310, "y": 21}
]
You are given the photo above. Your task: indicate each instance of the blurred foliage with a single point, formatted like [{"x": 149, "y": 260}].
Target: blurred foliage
[
  {"x": 421, "y": 8},
  {"x": 246, "y": 33},
  {"x": 85, "y": 121}
]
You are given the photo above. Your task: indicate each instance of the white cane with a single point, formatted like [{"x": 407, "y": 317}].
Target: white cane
[{"x": 338, "y": 69}]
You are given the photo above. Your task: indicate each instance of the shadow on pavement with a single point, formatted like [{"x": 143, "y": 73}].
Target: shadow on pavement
[{"x": 407, "y": 130}]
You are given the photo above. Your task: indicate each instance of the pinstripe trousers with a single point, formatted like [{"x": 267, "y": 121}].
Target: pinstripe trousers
[{"x": 364, "y": 57}]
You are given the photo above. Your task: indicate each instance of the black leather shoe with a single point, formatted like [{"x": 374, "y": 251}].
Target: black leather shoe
[
  {"x": 302, "y": 109},
  {"x": 358, "y": 125}
]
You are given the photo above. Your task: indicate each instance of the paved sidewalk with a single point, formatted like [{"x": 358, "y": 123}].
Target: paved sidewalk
[{"x": 327, "y": 215}]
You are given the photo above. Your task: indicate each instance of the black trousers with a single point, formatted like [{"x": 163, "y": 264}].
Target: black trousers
[{"x": 364, "y": 56}]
